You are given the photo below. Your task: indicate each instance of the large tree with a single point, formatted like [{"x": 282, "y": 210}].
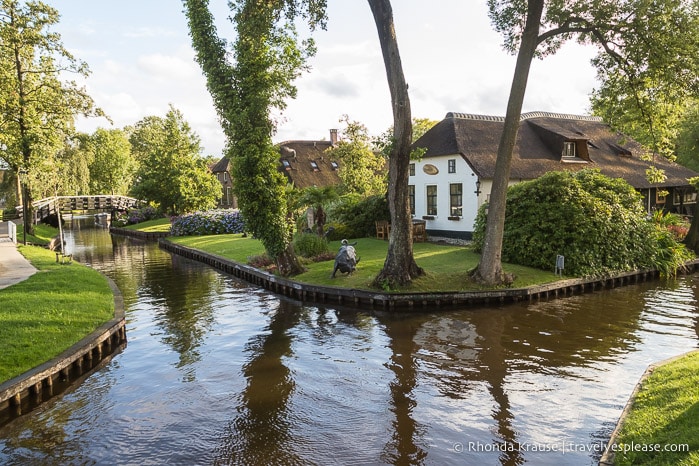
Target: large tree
[
  {"x": 634, "y": 35},
  {"x": 113, "y": 166},
  {"x": 362, "y": 168},
  {"x": 172, "y": 173},
  {"x": 37, "y": 108},
  {"x": 267, "y": 56},
  {"x": 399, "y": 267}
]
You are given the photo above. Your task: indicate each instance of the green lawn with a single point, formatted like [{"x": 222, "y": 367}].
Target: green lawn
[
  {"x": 47, "y": 313},
  {"x": 664, "y": 413},
  {"x": 446, "y": 266},
  {"x": 151, "y": 226},
  {"x": 42, "y": 234}
]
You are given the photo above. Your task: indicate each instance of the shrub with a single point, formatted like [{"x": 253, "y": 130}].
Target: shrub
[
  {"x": 338, "y": 231},
  {"x": 212, "y": 222},
  {"x": 310, "y": 245},
  {"x": 596, "y": 222},
  {"x": 359, "y": 214},
  {"x": 143, "y": 214}
]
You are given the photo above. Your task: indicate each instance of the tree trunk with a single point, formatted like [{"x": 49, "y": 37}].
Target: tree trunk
[
  {"x": 288, "y": 263},
  {"x": 400, "y": 267},
  {"x": 489, "y": 269},
  {"x": 692, "y": 238}
]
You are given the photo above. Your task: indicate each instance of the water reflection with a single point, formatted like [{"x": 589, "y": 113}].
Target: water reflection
[
  {"x": 261, "y": 430},
  {"x": 407, "y": 444},
  {"x": 221, "y": 372}
]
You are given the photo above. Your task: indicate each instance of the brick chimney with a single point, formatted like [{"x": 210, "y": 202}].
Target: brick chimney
[{"x": 333, "y": 137}]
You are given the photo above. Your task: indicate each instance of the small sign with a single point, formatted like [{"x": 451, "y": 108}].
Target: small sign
[{"x": 430, "y": 169}]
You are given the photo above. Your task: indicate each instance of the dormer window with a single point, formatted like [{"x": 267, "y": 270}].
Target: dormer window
[
  {"x": 314, "y": 166},
  {"x": 334, "y": 165},
  {"x": 569, "y": 151},
  {"x": 287, "y": 164}
]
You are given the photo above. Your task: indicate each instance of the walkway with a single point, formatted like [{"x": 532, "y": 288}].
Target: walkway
[{"x": 13, "y": 266}]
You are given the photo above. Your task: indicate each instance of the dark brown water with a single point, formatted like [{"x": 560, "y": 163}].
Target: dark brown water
[{"x": 220, "y": 372}]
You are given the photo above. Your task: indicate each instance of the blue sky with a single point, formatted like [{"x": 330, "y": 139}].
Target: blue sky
[{"x": 141, "y": 60}]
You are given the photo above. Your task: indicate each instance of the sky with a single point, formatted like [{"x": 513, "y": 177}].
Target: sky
[{"x": 141, "y": 61}]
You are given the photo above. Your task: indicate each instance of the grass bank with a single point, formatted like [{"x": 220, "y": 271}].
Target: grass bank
[
  {"x": 50, "y": 311},
  {"x": 160, "y": 225},
  {"x": 446, "y": 266},
  {"x": 664, "y": 415},
  {"x": 42, "y": 234}
]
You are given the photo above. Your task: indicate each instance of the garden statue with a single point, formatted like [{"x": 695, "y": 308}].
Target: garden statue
[{"x": 346, "y": 260}]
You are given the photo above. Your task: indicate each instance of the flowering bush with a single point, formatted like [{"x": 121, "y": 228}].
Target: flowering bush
[
  {"x": 211, "y": 222},
  {"x": 133, "y": 216},
  {"x": 143, "y": 214}
]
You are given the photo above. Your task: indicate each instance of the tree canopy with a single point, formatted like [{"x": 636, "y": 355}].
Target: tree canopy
[
  {"x": 37, "y": 107},
  {"x": 363, "y": 171},
  {"x": 172, "y": 174},
  {"x": 113, "y": 166}
]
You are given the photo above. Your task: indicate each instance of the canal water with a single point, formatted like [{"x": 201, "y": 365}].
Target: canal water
[{"x": 220, "y": 372}]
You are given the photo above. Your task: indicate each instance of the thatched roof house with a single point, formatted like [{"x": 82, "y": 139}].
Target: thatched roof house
[
  {"x": 306, "y": 163},
  {"x": 455, "y": 174}
]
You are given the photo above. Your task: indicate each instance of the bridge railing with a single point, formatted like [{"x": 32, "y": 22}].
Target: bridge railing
[{"x": 44, "y": 207}]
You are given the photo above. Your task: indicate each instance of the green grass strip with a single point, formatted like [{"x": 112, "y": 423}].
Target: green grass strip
[
  {"x": 50, "y": 311},
  {"x": 446, "y": 266},
  {"x": 42, "y": 234},
  {"x": 160, "y": 225},
  {"x": 664, "y": 415}
]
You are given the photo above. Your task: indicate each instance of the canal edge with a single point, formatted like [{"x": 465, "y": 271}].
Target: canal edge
[
  {"x": 378, "y": 300},
  {"x": 609, "y": 454},
  {"x": 25, "y": 392}
]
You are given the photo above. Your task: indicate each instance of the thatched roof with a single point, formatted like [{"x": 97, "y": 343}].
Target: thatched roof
[
  {"x": 540, "y": 144},
  {"x": 306, "y": 163}
]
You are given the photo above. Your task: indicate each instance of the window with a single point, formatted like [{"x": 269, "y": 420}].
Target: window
[
  {"x": 432, "y": 200},
  {"x": 412, "y": 169},
  {"x": 225, "y": 176},
  {"x": 334, "y": 165},
  {"x": 455, "y": 199},
  {"x": 314, "y": 166},
  {"x": 684, "y": 198},
  {"x": 287, "y": 164},
  {"x": 569, "y": 150},
  {"x": 451, "y": 165},
  {"x": 411, "y": 198}
]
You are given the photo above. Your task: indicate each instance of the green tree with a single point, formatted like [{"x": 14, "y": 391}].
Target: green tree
[
  {"x": 172, "y": 174},
  {"x": 317, "y": 199},
  {"x": 113, "y": 167},
  {"x": 267, "y": 57},
  {"x": 38, "y": 108},
  {"x": 638, "y": 37},
  {"x": 688, "y": 137},
  {"x": 77, "y": 158},
  {"x": 363, "y": 170}
]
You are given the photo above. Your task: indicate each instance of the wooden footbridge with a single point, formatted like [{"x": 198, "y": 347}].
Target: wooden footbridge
[{"x": 67, "y": 204}]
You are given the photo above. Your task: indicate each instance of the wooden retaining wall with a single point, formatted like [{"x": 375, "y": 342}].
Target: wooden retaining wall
[
  {"x": 408, "y": 301},
  {"x": 27, "y": 391}
]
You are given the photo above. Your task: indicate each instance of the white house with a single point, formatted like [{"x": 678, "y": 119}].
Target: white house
[{"x": 454, "y": 177}]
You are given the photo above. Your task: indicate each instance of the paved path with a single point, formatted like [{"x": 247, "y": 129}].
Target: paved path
[{"x": 13, "y": 266}]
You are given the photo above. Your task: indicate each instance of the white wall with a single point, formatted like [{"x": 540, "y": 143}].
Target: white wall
[{"x": 442, "y": 180}]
